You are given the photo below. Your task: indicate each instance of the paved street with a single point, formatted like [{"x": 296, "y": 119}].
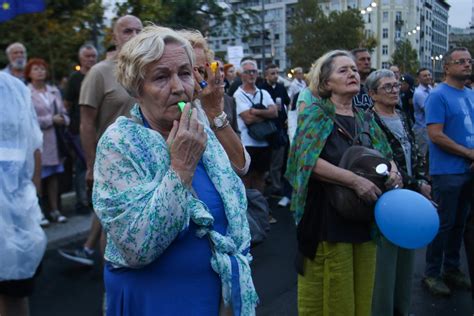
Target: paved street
[{"x": 65, "y": 288}]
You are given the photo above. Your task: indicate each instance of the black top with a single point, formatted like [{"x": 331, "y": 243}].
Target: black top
[
  {"x": 362, "y": 100},
  {"x": 320, "y": 221},
  {"x": 71, "y": 95}
]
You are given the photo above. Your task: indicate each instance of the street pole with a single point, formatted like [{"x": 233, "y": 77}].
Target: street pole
[{"x": 263, "y": 35}]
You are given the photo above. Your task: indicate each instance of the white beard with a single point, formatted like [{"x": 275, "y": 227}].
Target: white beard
[{"x": 19, "y": 64}]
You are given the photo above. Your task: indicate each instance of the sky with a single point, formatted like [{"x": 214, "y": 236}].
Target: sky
[{"x": 460, "y": 13}]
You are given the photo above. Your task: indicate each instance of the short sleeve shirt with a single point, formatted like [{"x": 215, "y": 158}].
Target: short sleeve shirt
[
  {"x": 101, "y": 90},
  {"x": 243, "y": 101},
  {"x": 454, "y": 108}
]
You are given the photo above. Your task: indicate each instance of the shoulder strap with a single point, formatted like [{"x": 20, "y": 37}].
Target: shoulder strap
[
  {"x": 339, "y": 125},
  {"x": 245, "y": 95}
]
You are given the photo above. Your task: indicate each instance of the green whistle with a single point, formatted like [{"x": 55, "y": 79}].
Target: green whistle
[{"x": 181, "y": 105}]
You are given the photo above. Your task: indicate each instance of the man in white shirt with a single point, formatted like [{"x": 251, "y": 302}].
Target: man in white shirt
[
  {"x": 297, "y": 84},
  {"x": 246, "y": 96}
]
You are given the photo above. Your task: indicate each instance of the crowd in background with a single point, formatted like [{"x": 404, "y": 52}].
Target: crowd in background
[{"x": 424, "y": 129}]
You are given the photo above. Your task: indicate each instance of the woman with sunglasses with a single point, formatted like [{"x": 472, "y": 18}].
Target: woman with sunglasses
[{"x": 395, "y": 265}]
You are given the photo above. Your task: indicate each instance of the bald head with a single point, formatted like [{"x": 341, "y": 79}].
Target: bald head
[{"x": 126, "y": 28}]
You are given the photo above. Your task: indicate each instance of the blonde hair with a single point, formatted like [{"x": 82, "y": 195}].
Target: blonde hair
[
  {"x": 322, "y": 70},
  {"x": 142, "y": 50},
  {"x": 198, "y": 40}
]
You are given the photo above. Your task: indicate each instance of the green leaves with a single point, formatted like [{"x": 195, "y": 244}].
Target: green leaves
[
  {"x": 313, "y": 33},
  {"x": 406, "y": 57}
]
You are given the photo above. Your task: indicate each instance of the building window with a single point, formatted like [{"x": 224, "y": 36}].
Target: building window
[
  {"x": 385, "y": 65},
  {"x": 385, "y": 16},
  {"x": 385, "y": 33},
  {"x": 398, "y": 16},
  {"x": 398, "y": 34},
  {"x": 384, "y": 49}
]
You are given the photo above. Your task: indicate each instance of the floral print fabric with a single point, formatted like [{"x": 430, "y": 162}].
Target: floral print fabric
[{"x": 143, "y": 205}]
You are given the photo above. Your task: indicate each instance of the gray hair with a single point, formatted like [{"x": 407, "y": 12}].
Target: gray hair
[
  {"x": 298, "y": 69},
  {"x": 373, "y": 80},
  {"x": 248, "y": 61},
  {"x": 86, "y": 46},
  {"x": 142, "y": 50},
  {"x": 322, "y": 70},
  {"x": 13, "y": 45}
]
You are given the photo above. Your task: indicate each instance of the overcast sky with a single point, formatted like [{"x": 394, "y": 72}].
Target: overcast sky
[{"x": 460, "y": 13}]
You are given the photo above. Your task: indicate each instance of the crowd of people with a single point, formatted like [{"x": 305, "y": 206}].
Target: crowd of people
[{"x": 164, "y": 140}]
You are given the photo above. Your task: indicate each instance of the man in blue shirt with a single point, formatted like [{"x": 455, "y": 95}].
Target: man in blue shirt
[
  {"x": 450, "y": 122},
  {"x": 419, "y": 98}
]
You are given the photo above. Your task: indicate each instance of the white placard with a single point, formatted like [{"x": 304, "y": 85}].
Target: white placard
[{"x": 235, "y": 55}]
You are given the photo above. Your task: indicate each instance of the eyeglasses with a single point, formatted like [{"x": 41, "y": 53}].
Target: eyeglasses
[
  {"x": 461, "y": 61},
  {"x": 391, "y": 87},
  {"x": 250, "y": 72}
]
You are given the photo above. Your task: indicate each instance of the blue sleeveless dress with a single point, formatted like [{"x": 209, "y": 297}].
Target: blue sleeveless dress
[{"x": 180, "y": 281}]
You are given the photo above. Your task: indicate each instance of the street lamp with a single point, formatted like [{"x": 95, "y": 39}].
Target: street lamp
[{"x": 369, "y": 8}]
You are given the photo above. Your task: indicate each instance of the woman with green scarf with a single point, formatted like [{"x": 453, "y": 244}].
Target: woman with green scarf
[{"x": 336, "y": 256}]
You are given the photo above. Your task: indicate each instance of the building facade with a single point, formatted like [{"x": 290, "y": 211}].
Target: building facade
[
  {"x": 423, "y": 22},
  {"x": 272, "y": 49}
]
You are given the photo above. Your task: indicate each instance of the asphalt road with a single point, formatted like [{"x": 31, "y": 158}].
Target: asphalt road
[{"x": 66, "y": 288}]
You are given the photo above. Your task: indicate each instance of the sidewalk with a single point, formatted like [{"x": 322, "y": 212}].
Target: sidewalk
[{"x": 76, "y": 228}]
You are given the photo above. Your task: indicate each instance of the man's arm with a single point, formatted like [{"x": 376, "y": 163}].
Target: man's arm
[
  {"x": 89, "y": 139},
  {"x": 270, "y": 113},
  {"x": 438, "y": 137}
]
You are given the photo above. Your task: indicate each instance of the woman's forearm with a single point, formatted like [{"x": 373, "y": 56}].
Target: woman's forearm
[{"x": 327, "y": 172}]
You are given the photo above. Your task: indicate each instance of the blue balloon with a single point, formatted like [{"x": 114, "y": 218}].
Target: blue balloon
[{"x": 406, "y": 218}]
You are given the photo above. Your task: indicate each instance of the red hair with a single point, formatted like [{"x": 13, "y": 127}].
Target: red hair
[{"x": 34, "y": 62}]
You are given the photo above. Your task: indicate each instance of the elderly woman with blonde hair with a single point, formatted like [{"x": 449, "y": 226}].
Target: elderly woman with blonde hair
[
  {"x": 336, "y": 256},
  {"x": 166, "y": 194}
]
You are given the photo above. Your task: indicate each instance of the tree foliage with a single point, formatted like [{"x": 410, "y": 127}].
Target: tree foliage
[
  {"x": 313, "y": 33},
  {"x": 56, "y": 34},
  {"x": 406, "y": 57},
  {"x": 189, "y": 14}
]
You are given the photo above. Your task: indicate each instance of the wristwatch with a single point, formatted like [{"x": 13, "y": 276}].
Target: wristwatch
[{"x": 220, "y": 121}]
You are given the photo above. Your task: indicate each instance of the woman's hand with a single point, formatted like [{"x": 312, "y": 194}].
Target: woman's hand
[
  {"x": 394, "y": 180},
  {"x": 365, "y": 189},
  {"x": 58, "y": 119},
  {"x": 187, "y": 141},
  {"x": 211, "y": 96},
  {"x": 425, "y": 189}
]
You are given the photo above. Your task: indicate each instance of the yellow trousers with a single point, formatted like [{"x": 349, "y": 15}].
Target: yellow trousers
[{"x": 339, "y": 281}]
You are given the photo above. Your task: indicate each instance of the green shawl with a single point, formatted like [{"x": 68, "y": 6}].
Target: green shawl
[{"x": 313, "y": 129}]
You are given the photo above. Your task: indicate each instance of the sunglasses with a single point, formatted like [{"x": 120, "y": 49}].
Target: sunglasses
[{"x": 250, "y": 72}]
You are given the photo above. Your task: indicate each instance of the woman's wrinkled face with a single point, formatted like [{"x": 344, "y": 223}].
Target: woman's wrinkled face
[
  {"x": 38, "y": 73},
  {"x": 388, "y": 91},
  {"x": 344, "y": 78},
  {"x": 167, "y": 82}
]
